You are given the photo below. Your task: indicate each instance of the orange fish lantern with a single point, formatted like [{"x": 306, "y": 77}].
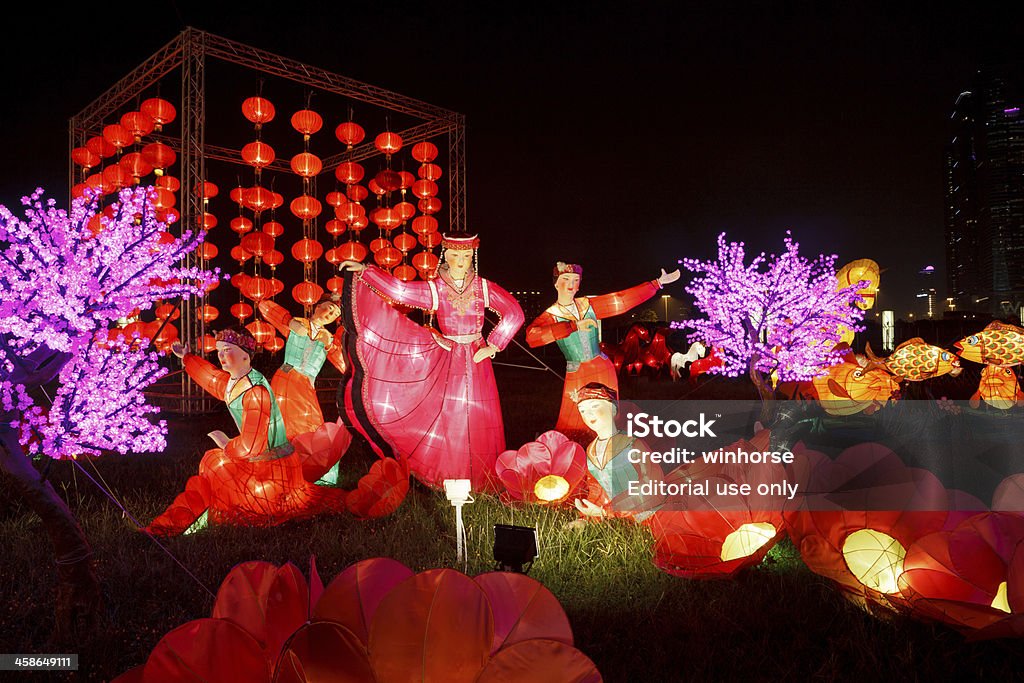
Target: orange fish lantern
[
  {"x": 998, "y": 387},
  {"x": 915, "y": 361},
  {"x": 855, "y": 385},
  {"x": 998, "y": 344},
  {"x": 861, "y": 270}
]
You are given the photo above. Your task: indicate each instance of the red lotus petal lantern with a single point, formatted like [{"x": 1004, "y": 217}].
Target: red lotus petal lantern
[
  {"x": 258, "y": 110},
  {"x": 84, "y": 157},
  {"x": 388, "y": 143},
  {"x": 350, "y": 133},
  {"x": 381, "y": 490},
  {"x": 207, "y": 251},
  {"x": 241, "y": 224},
  {"x": 100, "y": 147},
  {"x": 424, "y": 151},
  {"x": 349, "y": 172},
  {"x": 160, "y": 110},
  {"x": 307, "y": 293},
  {"x": 241, "y": 311},
  {"x": 405, "y": 242},
  {"x": 388, "y": 257},
  {"x": 404, "y": 272},
  {"x": 352, "y": 251},
  {"x": 138, "y": 124},
  {"x": 258, "y": 154},
  {"x": 424, "y": 224},
  {"x": 425, "y": 262},
  {"x": 273, "y": 258},
  {"x": 307, "y": 250},
  {"x": 306, "y": 207},
  {"x": 306, "y": 165},
  {"x": 545, "y": 471},
  {"x": 429, "y": 205},
  {"x": 273, "y": 228},
  {"x": 258, "y": 243},
  {"x": 429, "y": 172},
  {"x": 117, "y": 135},
  {"x": 307, "y": 122},
  {"x": 336, "y": 199},
  {"x": 261, "y": 330}
]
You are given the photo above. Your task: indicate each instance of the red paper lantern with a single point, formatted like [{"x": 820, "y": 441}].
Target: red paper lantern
[
  {"x": 405, "y": 210},
  {"x": 307, "y": 293},
  {"x": 430, "y": 239},
  {"x": 376, "y": 188},
  {"x": 336, "y": 199},
  {"x": 334, "y": 227},
  {"x": 262, "y": 331},
  {"x": 100, "y": 147},
  {"x": 429, "y": 172},
  {"x": 424, "y": 151},
  {"x": 168, "y": 182},
  {"x": 207, "y": 251},
  {"x": 429, "y": 205},
  {"x": 424, "y": 224},
  {"x": 425, "y": 262},
  {"x": 388, "y": 257},
  {"x": 274, "y": 344},
  {"x": 357, "y": 193},
  {"x": 209, "y": 221},
  {"x": 95, "y": 182},
  {"x": 257, "y": 198},
  {"x": 207, "y": 313},
  {"x": 258, "y": 243},
  {"x": 161, "y": 111},
  {"x": 164, "y": 311},
  {"x": 276, "y": 286},
  {"x": 359, "y": 222},
  {"x": 273, "y": 258},
  {"x": 389, "y": 180},
  {"x": 386, "y": 217},
  {"x": 306, "y": 165},
  {"x": 241, "y": 311},
  {"x": 237, "y": 194},
  {"x": 208, "y": 343},
  {"x": 159, "y": 155},
  {"x": 207, "y": 190},
  {"x": 239, "y": 280},
  {"x": 407, "y": 179},
  {"x": 405, "y": 242},
  {"x": 258, "y": 110},
  {"x": 241, "y": 224},
  {"x": 404, "y": 272},
  {"x": 241, "y": 255},
  {"x": 273, "y": 228},
  {"x": 84, "y": 157},
  {"x": 424, "y": 188},
  {"x": 307, "y": 250},
  {"x": 135, "y": 165},
  {"x": 335, "y": 284},
  {"x": 379, "y": 243},
  {"x": 163, "y": 199},
  {"x": 352, "y": 251},
  {"x": 257, "y": 288},
  {"x": 349, "y": 172},
  {"x": 78, "y": 190},
  {"x": 168, "y": 216},
  {"x": 307, "y": 122},
  {"x": 258, "y": 154},
  {"x": 388, "y": 143},
  {"x": 277, "y": 200},
  {"x": 116, "y": 176},
  {"x": 306, "y": 207},
  {"x": 138, "y": 124},
  {"x": 350, "y": 133},
  {"x": 333, "y": 256},
  {"x": 117, "y": 135}
]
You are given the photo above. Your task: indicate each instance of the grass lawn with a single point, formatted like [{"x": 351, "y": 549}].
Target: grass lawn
[{"x": 777, "y": 621}]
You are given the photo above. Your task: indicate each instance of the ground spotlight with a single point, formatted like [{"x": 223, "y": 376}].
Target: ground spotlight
[{"x": 514, "y": 546}]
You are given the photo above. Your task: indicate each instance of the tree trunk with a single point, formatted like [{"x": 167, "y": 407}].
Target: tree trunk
[
  {"x": 766, "y": 393},
  {"x": 78, "y": 590}
]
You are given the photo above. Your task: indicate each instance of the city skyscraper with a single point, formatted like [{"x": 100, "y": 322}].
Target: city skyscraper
[{"x": 985, "y": 198}]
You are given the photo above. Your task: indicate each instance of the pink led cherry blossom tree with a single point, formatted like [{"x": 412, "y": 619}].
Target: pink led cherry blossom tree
[
  {"x": 63, "y": 280},
  {"x": 778, "y": 313}
]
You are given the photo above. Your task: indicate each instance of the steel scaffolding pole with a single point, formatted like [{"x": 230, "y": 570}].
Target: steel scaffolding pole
[{"x": 457, "y": 177}]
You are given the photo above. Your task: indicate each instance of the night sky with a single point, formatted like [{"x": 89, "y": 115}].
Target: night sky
[{"x": 600, "y": 133}]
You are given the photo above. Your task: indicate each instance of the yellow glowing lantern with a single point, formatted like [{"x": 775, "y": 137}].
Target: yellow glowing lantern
[
  {"x": 856, "y": 271},
  {"x": 551, "y": 488},
  {"x": 747, "y": 540},
  {"x": 875, "y": 559}
]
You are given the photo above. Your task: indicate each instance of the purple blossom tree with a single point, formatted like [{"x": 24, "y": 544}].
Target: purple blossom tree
[
  {"x": 778, "y": 314},
  {"x": 61, "y": 285}
]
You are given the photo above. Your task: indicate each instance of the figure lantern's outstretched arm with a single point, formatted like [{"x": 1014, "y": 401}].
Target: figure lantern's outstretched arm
[
  {"x": 206, "y": 375},
  {"x": 255, "y": 425},
  {"x": 277, "y": 316},
  {"x": 414, "y": 294},
  {"x": 547, "y": 329},
  {"x": 336, "y": 351},
  {"x": 607, "y": 305},
  {"x": 510, "y": 312}
]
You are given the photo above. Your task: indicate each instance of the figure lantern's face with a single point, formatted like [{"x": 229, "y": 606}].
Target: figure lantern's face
[
  {"x": 233, "y": 359},
  {"x": 567, "y": 284},
  {"x": 326, "y": 313},
  {"x": 459, "y": 262},
  {"x": 597, "y": 413}
]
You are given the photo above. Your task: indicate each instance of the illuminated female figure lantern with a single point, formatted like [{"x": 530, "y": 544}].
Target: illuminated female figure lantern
[
  {"x": 309, "y": 344},
  {"x": 571, "y": 322},
  {"x": 255, "y": 478},
  {"x": 426, "y": 395}
]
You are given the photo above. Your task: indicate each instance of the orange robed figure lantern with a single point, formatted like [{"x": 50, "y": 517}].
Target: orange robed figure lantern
[{"x": 571, "y": 322}]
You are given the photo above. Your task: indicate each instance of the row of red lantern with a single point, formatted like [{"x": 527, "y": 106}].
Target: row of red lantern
[{"x": 153, "y": 115}]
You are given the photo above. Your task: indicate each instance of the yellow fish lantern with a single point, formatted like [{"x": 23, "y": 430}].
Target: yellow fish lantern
[
  {"x": 998, "y": 388},
  {"x": 998, "y": 344},
  {"x": 855, "y": 385},
  {"x": 915, "y": 361},
  {"x": 857, "y": 271}
]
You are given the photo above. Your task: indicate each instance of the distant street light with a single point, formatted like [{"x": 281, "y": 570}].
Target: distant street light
[{"x": 665, "y": 298}]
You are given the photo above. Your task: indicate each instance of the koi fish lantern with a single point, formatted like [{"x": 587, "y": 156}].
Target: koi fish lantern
[
  {"x": 998, "y": 344},
  {"x": 855, "y": 385},
  {"x": 998, "y": 387},
  {"x": 915, "y": 361},
  {"x": 545, "y": 471}
]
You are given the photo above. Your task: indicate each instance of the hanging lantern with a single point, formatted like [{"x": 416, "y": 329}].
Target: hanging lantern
[
  {"x": 307, "y": 250},
  {"x": 84, "y": 157},
  {"x": 207, "y": 313},
  {"x": 352, "y": 251},
  {"x": 389, "y": 180},
  {"x": 100, "y": 147},
  {"x": 209, "y": 221},
  {"x": 425, "y": 262},
  {"x": 212, "y": 285},
  {"x": 388, "y": 257},
  {"x": 350, "y": 133},
  {"x": 429, "y": 172},
  {"x": 359, "y": 222},
  {"x": 306, "y": 165},
  {"x": 257, "y": 288},
  {"x": 276, "y": 286},
  {"x": 333, "y": 256},
  {"x": 261, "y": 331},
  {"x": 388, "y": 143},
  {"x": 424, "y": 188},
  {"x": 258, "y": 110},
  {"x": 165, "y": 311},
  {"x": 379, "y": 243},
  {"x": 208, "y": 343},
  {"x": 241, "y": 311},
  {"x": 385, "y": 217},
  {"x": 307, "y": 293},
  {"x": 207, "y": 190},
  {"x": 430, "y": 239},
  {"x": 277, "y": 200},
  {"x": 239, "y": 279},
  {"x": 405, "y": 242},
  {"x": 167, "y": 336},
  {"x": 376, "y": 188},
  {"x": 349, "y": 172},
  {"x": 170, "y": 215},
  {"x": 95, "y": 224},
  {"x": 161, "y": 111},
  {"x": 95, "y": 182},
  {"x": 357, "y": 193},
  {"x": 336, "y": 199},
  {"x": 335, "y": 284},
  {"x": 258, "y": 243},
  {"x": 424, "y": 151},
  {"x": 135, "y": 165},
  {"x": 273, "y": 258},
  {"x": 207, "y": 251},
  {"x": 306, "y": 207},
  {"x": 138, "y": 124},
  {"x": 257, "y": 198},
  {"x": 429, "y": 205},
  {"x": 159, "y": 155},
  {"x": 163, "y": 199},
  {"x": 404, "y": 272},
  {"x": 274, "y": 344},
  {"x": 307, "y": 122},
  {"x": 424, "y": 224},
  {"x": 168, "y": 182},
  {"x": 117, "y": 135},
  {"x": 258, "y": 154},
  {"x": 116, "y": 177},
  {"x": 237, "y": 195},
  {"x": 334, "y": 227},
  {"x": 241, "y": 255},
  {"x": 405, "y": 211},
  {"x": 241, "y": 224},
  {"x": 273, "y": 228},
  {"x": 78, "y": 190}
]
